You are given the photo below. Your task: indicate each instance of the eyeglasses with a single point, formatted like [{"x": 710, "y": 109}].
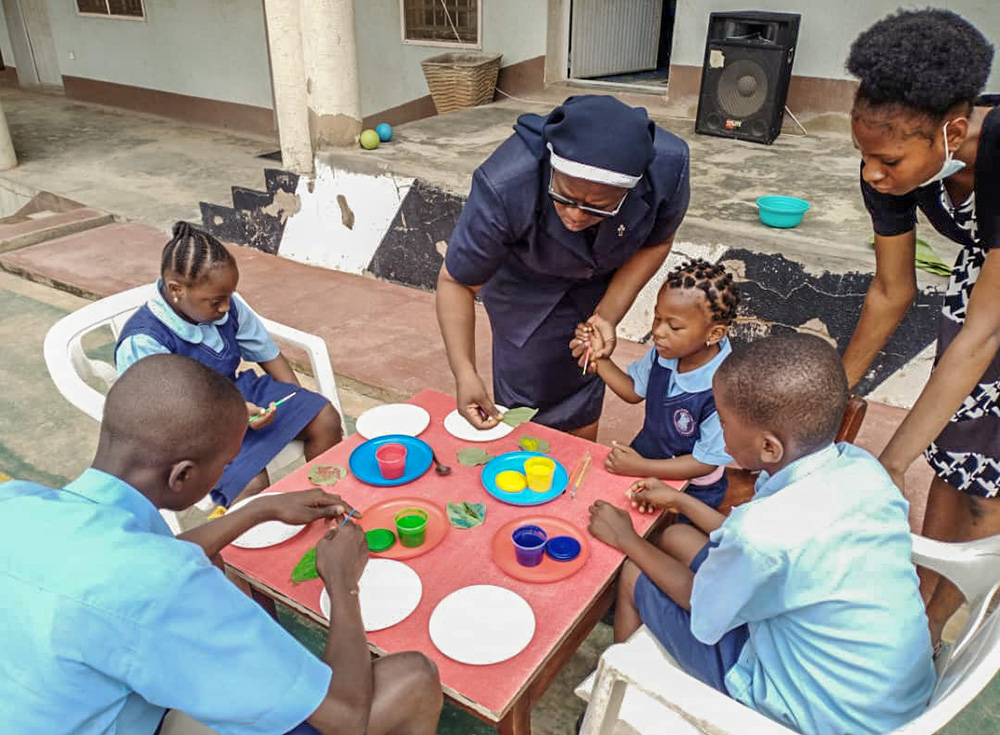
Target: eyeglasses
[{"x": 602, "y": 213}]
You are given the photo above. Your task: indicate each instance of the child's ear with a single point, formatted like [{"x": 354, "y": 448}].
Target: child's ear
[
  {"x": 181, "y": 477},
  {"x": 717, "y": 333},
  {"x": 174, "y": 289},
  {"x": 772, "y": 450}
]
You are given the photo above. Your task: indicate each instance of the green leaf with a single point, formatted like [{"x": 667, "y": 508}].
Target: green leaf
[
  {"x": 533, "y": 444},
  {"x": 517, "y": 416},
  {"x": 327, "y": 474},
  {"x": 306, "y": 568},
  {"x": 466, "y": 515},
  {"x": 473, "y": 456}
]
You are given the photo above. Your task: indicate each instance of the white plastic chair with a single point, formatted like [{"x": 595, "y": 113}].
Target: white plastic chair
[
  {"x": 71, "y": 368},
  {"x": 638, "y": 683}
]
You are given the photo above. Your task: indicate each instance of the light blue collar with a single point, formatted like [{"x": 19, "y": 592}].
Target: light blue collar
[
  {"x": 104, "y": 489},
  {"x": 699, "y": 379},
  {"x": 178, "y": 325},
  {"x": 804, "y": 466}
]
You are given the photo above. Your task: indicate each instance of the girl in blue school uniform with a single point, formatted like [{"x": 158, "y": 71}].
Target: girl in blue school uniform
[
  {"x": 681, "y": 438},
  {"x": 196, "y": 312}
]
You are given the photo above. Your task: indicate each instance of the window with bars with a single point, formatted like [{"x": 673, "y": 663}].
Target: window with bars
[
  {"x": 449, "y": 22},
  {"x": 111, "y": 8}
]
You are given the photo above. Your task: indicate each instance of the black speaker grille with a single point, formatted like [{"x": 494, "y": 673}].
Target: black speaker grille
[{"x": 742, "y": 88}]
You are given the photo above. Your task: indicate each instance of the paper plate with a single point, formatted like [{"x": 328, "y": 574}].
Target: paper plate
[
  {"x": 393, "y": 418},
  {"x": 515, "y": 461},
  {"x": 383, "y": 515},
  {"x": 550, "y": 570},
  {"x": 482, "y": 625},
  {"x": 457, "y": 425},
  {"x": 388, "y": 592},
  {"x": 269, "y": 533},
  {"x": 364, "y": 466}
]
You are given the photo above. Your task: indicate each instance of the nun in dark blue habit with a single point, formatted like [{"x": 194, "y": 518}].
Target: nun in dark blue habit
[{"x": 565, "y": 223}]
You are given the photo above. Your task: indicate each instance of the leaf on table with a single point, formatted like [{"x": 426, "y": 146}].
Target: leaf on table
[
  {"x": 473, "y": 456},
  {"x": 533, "y": 444},
  {"x": 327, "y": 474},
  {"x": 306, "y": 568},
  {"x": 466, "y": 515},
  {"x": 517, "y": 416}
]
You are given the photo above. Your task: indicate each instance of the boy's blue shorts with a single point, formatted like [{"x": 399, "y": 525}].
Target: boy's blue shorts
[{"x": 671, "y": 624}]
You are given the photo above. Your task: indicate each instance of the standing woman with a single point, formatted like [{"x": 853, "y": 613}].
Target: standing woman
[
  {"x": 565, "y": 223},
  {"x": 926, "y": 144}
]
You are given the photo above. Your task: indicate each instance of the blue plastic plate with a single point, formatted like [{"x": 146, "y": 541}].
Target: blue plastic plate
[
  {"x": 365, "y": 467},
  {"x": 515, "y": 461}
]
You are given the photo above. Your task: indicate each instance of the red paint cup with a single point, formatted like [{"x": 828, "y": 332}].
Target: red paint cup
[{"x": 391, "y": 460}]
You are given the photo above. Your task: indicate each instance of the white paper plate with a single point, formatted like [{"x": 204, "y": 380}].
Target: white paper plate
[
  {"x": 269, "y": 533},
  {"x": 393, "y": 418},
  {"x": 482, "y": 625},
  {"x": 457, "y": 425},
  {"x": 388, "y": 592}
]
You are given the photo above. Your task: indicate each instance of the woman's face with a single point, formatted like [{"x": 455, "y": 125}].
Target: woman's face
[
  {"x": 586, "y": 193},
  {"x": 900, "y": 155}
]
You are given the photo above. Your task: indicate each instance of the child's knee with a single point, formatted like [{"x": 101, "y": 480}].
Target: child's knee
[
  {"x": 628, "y": 577},
  {"x": 328, "y": 424}
]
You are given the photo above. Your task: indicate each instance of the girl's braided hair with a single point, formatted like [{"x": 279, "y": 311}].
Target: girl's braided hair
[
  {"x": 718, "y": 285},
  {"x": 192, "y": 253}
]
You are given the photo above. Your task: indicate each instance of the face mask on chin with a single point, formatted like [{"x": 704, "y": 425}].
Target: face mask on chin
[{"x": 950, "y": 166}]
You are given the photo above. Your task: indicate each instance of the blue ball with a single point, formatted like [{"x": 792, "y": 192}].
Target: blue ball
[{"x": 384, "y": 131}]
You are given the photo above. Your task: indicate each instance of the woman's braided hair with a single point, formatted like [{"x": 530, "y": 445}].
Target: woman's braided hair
[
  {"x": 192, "y": 253},
  {"x": 718, "y": 285}
]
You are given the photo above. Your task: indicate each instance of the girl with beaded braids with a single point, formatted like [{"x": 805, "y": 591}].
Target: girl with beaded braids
[
  {"x": 195, "y": 311},
  {"x": 927, "y": 143},
  {"x": 681, "y": 438}
]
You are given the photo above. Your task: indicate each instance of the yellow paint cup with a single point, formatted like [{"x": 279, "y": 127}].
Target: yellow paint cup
[
  {"x": 510, "y": 481},
  {"x": 539, "y": 471}
]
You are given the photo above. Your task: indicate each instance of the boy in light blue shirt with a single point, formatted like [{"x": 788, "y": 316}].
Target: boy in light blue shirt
[{"x": 803, "y": 604}]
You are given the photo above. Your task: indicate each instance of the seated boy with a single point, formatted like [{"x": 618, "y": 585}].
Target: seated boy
[
  {"x": 108, "y": 620},
  {"x": 803, "y": 603}
]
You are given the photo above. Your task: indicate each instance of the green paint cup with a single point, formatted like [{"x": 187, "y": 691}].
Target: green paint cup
[{"x": 411, "y": 526}]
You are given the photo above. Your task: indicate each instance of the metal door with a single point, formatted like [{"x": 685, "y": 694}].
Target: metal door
[{"x": 614, "y": 37}]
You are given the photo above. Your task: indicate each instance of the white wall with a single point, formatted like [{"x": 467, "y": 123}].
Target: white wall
[
  {"x": 5, "y": 45},
  {"x": 215, "y": 49},
  {"x": 826, "y": 31},
  {"x": 390, "y": 70}
]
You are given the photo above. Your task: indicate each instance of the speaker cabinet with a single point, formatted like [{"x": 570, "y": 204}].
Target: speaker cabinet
[{"x": 744, "y": 78}]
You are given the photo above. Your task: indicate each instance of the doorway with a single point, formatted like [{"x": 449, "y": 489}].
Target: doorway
[
  {"x": 621, "y": 42},
  {"x": 31, "y": 39}
]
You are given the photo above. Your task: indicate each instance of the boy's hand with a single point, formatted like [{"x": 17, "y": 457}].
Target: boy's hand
[
  {"x": 259, "y": 417},
  {"x": 649, "y": 494},
  {"x": 341, "y": 556},
  {"x": 623, "y": 460},
  {"x": 306, "y": 506},
  {"x": 611, "y": 525}
]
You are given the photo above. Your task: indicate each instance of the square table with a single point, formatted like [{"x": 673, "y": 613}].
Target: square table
[{"x": 565, "y": 612}]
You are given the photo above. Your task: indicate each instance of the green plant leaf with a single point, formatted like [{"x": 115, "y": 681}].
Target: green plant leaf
[
  {"x": 466, "y": 515},
  {"x": 327, "y": 474},
  {"x": 306, "y": 568},
  {"x": 517, "y": 416},
  {"x": 473, "y": 456},
  {"x": 533, "y": 444}
]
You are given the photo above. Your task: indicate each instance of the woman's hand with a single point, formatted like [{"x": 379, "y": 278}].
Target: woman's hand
[
  {"x": 474, "y": 402},
  {"x": 604, "y": 331},
  {"x": 260, "y": 417},
  {"x": 586, "y": 344}
]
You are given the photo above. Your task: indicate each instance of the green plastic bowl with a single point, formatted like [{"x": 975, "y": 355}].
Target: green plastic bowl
[{"x": 781, "y": 211}]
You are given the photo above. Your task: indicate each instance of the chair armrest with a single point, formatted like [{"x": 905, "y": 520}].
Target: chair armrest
[{"x": 319, "y": 356}]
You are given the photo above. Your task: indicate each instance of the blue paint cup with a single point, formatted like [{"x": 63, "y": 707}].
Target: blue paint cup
[{"x": 529, "y": 545}]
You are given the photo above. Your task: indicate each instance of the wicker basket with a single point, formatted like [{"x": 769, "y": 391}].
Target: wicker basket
[{"x": 458, "y": 80}]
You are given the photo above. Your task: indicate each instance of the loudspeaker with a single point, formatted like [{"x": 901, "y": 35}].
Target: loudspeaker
[{"x": 744, "y": 78}]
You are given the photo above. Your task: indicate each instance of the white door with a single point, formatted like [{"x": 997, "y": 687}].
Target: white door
[
  {"x": 614, "y": 37},
  {"x": 31, "y": 37}
]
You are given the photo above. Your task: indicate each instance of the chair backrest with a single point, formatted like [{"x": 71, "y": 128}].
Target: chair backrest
[{"x": 854, "y": 415}]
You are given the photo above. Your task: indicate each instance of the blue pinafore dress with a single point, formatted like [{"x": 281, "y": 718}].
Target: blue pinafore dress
[
  {"x": 260, "y": 446},
  {"x": 671, "y": 429}
]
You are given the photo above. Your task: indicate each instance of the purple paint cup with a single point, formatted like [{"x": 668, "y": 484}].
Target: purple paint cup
[{"x": 529, "y": 545}]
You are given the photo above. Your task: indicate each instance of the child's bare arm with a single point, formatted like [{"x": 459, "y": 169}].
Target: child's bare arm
[
  {"x": 617, "y": 380},
  {"x": 623, "y": 460},
  {"x": 614, "y": 527},
  {"x": 279, "y": 369},
  {"x": 651, "y": 493}
]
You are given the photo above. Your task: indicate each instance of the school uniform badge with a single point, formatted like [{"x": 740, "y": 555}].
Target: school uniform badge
[{"x": 684, "y": 422}]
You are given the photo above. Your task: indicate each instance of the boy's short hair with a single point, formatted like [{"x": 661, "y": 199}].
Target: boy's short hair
[{"x": 793, "y": 384}]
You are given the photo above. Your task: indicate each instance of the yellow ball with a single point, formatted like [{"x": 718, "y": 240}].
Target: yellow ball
[{"x": 369, "y": 139}]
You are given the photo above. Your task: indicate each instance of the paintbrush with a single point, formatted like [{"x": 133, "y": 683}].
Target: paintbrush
[
  {"x": 586, "y": 362},
  {"x": 348, "y": 517},
  {"x": 579, "y": 472},
  {"x": 276, "y": 404}
]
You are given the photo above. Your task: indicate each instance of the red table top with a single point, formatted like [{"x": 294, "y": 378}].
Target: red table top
[{"x": 463, "y": 557}]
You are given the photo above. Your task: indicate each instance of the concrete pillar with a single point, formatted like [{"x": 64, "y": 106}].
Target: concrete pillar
[
  {"x": 284, "y": 37},
  {"x": 8, "y": 159},
  {"x": 331, "y": 67}
]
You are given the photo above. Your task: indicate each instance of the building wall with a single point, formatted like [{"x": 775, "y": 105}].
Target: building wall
[
  {"x": 390, "y": 70},
  {"x": 213, "y": 49},
  {"x": 826, "y": 32}
]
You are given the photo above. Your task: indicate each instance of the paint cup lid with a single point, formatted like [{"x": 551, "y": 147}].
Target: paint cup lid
[
  {"x": 380, "y": 539},
  {"x": 563, "y": 548}
]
